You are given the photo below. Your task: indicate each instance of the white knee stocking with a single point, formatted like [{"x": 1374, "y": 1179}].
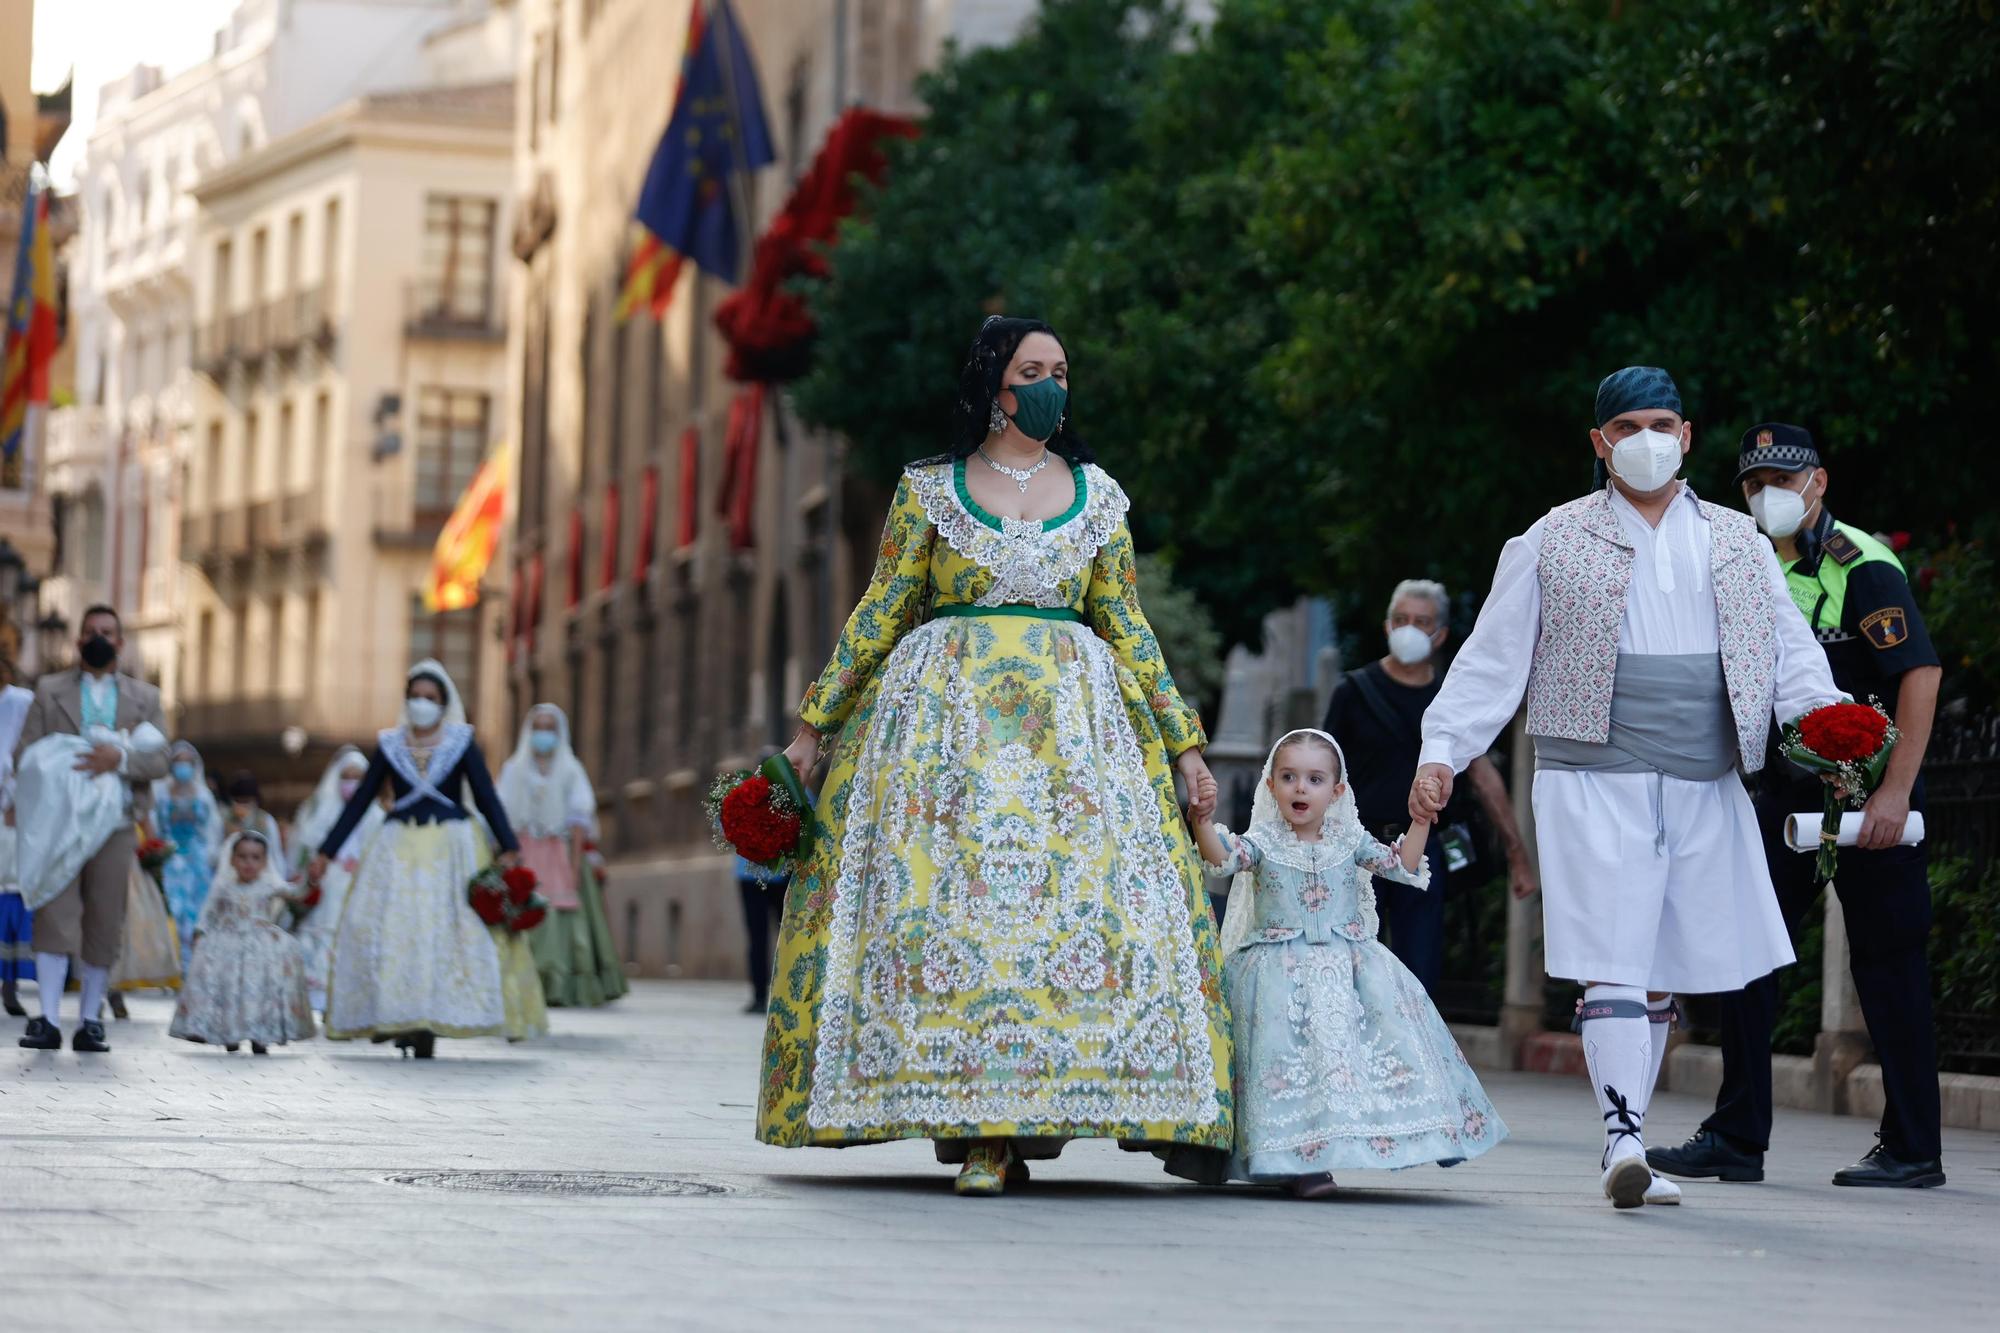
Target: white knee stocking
[
  {"x": 96, "y": 980},
  {"x": 1617, "y": 1046},
  {"x": 51, "y": 975},
  {"x": 1660, "y": 1019}
]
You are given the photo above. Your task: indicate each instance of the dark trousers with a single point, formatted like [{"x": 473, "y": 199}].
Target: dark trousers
[
  {"x": 762, "y": 906},
  {"x": 1413, "y": 921},
  {"x": 1885, "y": 897}
]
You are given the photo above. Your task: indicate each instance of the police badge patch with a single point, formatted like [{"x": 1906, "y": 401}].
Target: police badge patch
[{"x": 1886, "y": 628}]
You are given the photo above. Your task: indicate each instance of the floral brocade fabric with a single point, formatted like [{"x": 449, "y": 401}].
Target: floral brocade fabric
[
  {"x": 247, "y": 979},
  {"x": 1002, "y": 930},
  {"x": 1341, "y": 1059}
]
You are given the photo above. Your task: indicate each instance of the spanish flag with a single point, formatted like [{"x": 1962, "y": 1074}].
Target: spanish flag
[
  {"x": 465, "y": 547},
  {"x": 30, "y": 343}
]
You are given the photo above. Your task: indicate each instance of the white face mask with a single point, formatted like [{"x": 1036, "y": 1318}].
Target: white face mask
[
  {"x": 1409, "y": 644},
  {"x": 423, "y": 713},
  {"x": 1781, "y": 512},
  {"x": 1647, "y": 459}
]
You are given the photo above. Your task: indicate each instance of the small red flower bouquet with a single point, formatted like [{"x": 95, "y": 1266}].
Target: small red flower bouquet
[
  {"x": 1848, "y": 744},
  {"x": 301, "y": 905},
  {"x": 154, "y": 854},
  {"x": 507, "y": 898},
  {"x": 765, "y": 816}
]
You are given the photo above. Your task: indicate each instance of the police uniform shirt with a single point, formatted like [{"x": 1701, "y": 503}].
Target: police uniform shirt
[{"x": 1852, "y": 591}]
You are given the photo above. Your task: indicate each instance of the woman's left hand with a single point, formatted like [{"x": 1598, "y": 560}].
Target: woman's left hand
[{"x": 1202, "y": 791}]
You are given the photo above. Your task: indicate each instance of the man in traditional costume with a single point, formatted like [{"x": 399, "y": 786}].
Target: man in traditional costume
[
  {"x": 1655, "y": 641},
  {"x": 85, "y": 916}
]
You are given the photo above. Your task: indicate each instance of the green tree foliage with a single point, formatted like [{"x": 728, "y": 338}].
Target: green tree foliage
[
  {"x": 1189, "y": 640},
  {"x": 1340, "y": 276},
  {"x": 1455, "y": 218},
  {"x": 1170, "y": 312},
  {"x": 1016, "y": 145}
]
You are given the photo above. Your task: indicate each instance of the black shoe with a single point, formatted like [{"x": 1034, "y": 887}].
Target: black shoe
[
  {"x": 423, "y": 1045},
  {"x": 117, "y": 1003},
  {"x": 1882, "y": 1170},
  {"x": 1707, "y": 1155},
  {"x": 233, "y": 1047},
  {"x": 11, "y": 1001},
  {"x": 757, "y": 1006},
  {"x": 259, "y": 1048},
  {"x": 42, "y": 1035},
  {"x": 90, "y": 1038}
]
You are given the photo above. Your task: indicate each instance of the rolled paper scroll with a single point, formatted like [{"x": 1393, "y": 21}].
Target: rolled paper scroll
[{"x": 1802, "y": 831}]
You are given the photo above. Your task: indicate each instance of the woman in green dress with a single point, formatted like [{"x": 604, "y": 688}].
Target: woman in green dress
[
  {"x": 553, "y": 807},
  {"x": 1000, "y": 941}
]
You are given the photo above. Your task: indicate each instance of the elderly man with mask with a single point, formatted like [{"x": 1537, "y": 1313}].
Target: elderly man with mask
[
  {"x": 1377, "y": 714},
  {"x": 1656, "y": 643}
]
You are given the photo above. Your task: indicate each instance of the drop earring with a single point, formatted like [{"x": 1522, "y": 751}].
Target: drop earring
[{"x": 996, "y": 420}]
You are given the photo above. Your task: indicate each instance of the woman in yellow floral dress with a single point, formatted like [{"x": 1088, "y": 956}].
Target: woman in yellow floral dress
[{"x": 1001, "y": 941}]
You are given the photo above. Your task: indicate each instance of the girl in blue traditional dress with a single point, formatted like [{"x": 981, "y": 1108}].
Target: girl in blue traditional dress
[
  {"x": 1341, "y": 1060},
  {"x": 186, "y": 816}
]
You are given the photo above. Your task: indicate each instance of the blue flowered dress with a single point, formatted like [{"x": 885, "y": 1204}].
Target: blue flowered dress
[
  {"x": 1341, "y": 1059},
  {"x": 193, "y": 824}
]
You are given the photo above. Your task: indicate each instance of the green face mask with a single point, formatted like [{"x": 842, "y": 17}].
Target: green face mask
[{"x": 1038, "y": 407}]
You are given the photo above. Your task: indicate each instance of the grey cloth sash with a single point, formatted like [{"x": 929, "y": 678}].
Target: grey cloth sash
[{"x": 1670, "y": 716}]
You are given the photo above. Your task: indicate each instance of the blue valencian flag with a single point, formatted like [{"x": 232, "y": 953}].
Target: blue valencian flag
[{"x": 717, "y": 128}]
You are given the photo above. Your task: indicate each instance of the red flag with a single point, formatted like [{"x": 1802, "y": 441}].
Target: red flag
[
  {"x": 575, "y": 558},
  {"x": 465, "y": 547},
  {"x": 29, "y": 343},
  {"x": 737, "y": 500},
  {"x": 649, "y": 515},
  {"x": 607, "y": 572},
  {"x": 690, "y": 497}
]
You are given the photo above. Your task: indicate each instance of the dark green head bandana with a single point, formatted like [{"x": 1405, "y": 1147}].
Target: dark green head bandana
[{"x": 1636, "y": 387}]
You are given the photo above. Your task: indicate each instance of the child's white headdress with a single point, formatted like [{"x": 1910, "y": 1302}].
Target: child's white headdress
[{"x": 1340, "y": 833}]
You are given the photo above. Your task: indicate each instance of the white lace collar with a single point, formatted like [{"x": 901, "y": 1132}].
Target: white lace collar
[
  {"x": 453, "y": 742},
  {"x": 1030, "y": 559},
  {"x": 1280, "y": 845}
]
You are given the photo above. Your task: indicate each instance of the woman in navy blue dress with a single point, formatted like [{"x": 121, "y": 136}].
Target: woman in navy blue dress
[{"x": 411, "y": 960}]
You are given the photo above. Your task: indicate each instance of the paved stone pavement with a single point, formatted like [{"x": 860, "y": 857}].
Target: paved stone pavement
[{"x": 168, "y": 1187}]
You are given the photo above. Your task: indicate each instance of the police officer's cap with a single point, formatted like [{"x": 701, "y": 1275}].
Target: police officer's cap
[{"x": 1776, "y": 445}]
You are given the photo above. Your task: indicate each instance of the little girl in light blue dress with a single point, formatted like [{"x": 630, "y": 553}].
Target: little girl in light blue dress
[{"x": 1341, "y": 1059}]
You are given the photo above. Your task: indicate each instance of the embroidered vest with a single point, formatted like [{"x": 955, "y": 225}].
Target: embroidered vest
[{"x": 1586, "y": 571}]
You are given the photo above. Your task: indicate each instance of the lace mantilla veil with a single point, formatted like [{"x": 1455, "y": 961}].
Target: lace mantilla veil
[{"x": 1340, "y": 832}]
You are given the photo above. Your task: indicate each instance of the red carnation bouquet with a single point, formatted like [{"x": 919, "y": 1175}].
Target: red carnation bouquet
[
  {"x": 507, "y": 898},
  {"x": 764, "y": 816},
  {"x": 154, "y": 854},
  {"x": 1849, "y": 745},
  {"x": 301, "y": 905}
]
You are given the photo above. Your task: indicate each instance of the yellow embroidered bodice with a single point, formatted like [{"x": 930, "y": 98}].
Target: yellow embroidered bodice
[{"x": 940, "y": 547}]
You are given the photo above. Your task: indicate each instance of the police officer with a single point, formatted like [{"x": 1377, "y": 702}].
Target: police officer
[{"x": 1852, "y": 591}]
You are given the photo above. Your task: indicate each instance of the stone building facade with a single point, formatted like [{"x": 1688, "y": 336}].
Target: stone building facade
[
  {"x": 347, "y": 348},
  {"x": 126, "y": 458},
  {"x": 675, "y": 658}
]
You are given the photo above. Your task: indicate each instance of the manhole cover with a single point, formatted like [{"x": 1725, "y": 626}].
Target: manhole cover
[{"x": 583, "y": 1184}]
